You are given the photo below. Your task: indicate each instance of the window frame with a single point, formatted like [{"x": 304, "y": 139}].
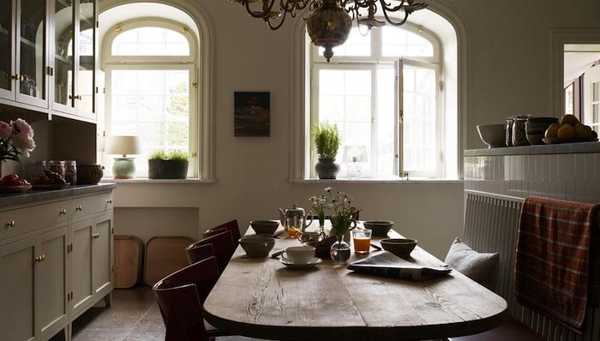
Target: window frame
[
  {"x": 188, "y": 62},
  {"x": 373, "y": 62}
]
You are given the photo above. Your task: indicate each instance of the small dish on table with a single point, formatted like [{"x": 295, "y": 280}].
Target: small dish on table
[
  {"x": 401, "y": 247},
  {"x": 380, "y": 228},
  {"x": 304, "y": 265},
  {"x": 266, "y": 227}
]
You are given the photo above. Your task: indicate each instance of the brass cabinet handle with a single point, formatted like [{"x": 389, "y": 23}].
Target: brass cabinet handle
[
  {"x": 79, "y": 208},
  {"x": 63, "y": 211},
  {"x": 109, "y": 201},
  {"x": 96, "y": 235},
  {"x": 10, "y": 224},
  {"x": 15, "y": 77},
  {"x": 78, "y": 97},
  {"x": 40, "y": 259}
]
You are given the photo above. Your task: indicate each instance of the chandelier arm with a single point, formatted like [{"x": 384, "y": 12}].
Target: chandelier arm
[
  {"x": 266, "y": 12},
  {"x": 278, "y": 25},
  {"x": 389, "y": 19},
  {"x": 388, "y": 6}
]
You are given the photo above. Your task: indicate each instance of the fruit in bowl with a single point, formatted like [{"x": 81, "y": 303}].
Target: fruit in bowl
[
  {"x": 569, "y": 129},
  {"x": 49, "y": 180},
  {"x": 14, "y": 184}
]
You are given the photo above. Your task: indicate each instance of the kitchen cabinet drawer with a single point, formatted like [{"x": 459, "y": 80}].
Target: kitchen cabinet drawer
[
  {"x": 85, "y": 206},
  {"x": 20, "y": 221}
]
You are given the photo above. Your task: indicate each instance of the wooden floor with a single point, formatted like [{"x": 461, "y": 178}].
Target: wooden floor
[{"x": 134, "y": 316}]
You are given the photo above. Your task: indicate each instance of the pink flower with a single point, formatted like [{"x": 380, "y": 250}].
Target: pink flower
[
  {"x": 25, "y": 144},
  {"x": 22, "y": 127},
  {"x": 5, "y": 130}
]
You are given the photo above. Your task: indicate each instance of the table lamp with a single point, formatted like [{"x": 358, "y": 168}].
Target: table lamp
[{"x": 124, "y": 166}]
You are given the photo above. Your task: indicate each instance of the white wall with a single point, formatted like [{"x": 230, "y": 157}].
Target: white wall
[{"x": 508, "y": 72}]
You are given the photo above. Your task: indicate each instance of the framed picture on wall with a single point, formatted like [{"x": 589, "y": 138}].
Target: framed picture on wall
[{"x": 252, "y": 115}]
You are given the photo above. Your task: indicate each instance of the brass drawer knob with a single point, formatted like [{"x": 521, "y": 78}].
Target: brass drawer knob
[
  {"x": 10, "y": 224},
  {"x": 79, "y": 208},
  {"x": 63, "y": 211},
  {"x": 40, "y": 259},
  {"x": 109, "y": 201},
  {"x": 96, "y": 235}
]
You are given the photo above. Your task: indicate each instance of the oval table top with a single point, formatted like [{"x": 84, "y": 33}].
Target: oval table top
[{"x": 262, "y": 298}]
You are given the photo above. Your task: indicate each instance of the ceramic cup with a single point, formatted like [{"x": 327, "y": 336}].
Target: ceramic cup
[{"x": 300, "y": 254}]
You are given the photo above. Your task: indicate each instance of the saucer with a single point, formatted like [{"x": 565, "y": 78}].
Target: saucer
[{"x": 299, "y": 266}]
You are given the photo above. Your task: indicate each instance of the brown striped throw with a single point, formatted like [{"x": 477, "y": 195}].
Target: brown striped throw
[{"x": 553, "y": 257}]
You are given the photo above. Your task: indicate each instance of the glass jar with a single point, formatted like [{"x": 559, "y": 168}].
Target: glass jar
[
  {"x": 509, "y": 130},
  {"x": 519, "y": 133},
  {"x": 340, "y": 251},
  {"x": 71, "y": 172}
]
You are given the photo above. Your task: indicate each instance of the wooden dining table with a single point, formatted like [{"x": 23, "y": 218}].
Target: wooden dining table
[{"x": 261, "y": 298}]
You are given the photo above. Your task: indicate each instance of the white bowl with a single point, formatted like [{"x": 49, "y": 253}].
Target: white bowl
[{"x": 300, "y": 254}]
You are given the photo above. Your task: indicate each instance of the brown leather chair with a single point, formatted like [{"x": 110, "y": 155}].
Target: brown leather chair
[
  {"x": 196, "y": 253},
  {"x": 223, "y": 245},
  {"x": 180, "y": 297},
  {"x": 231, "y": 226}
]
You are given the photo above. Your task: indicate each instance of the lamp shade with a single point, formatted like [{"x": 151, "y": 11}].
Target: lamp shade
[{"x": 124, "y": 145}]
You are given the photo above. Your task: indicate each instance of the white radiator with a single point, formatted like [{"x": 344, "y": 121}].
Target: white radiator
[{"x": 491, "y": 225}]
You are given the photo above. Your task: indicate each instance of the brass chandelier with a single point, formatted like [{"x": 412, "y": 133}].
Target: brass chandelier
[{"x": 330, "y": 21}]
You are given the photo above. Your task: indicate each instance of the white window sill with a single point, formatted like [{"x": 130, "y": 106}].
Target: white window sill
[
  {"x": 378, "y": 181},
  {"x": 158, "y": 181}
]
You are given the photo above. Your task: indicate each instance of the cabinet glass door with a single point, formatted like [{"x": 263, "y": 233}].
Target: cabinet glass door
[
  {"x": 6, "y": 39},
  {"x": 64, "y": 65},
  {"x": 84, "y": 100},
  {"x": 31, "y": 50}
]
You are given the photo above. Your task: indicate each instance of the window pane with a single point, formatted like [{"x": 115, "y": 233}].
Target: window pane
[
  {"x": 357, "y": 45},
  {"x": 386, "y": 123},
  {"x": 419, "y": 128},
  {"x": 345, "y": 101},
  {"x": 150, "y": 41},
  {"x": 398, "y": 42},
  {"x": 154, "y": 105}
]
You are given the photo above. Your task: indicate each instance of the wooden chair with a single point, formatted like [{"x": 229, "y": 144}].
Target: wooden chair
[
  {"x": 180, "y": 297},
  {"x": 196, "y": 253},
  {"x": 223, "y": 245},
  {"x": 231, "y": 226}
]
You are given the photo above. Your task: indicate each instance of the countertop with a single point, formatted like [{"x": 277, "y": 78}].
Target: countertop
[
  {"x": 19, "y": 199},
  {"x": 565, "y": 148}
]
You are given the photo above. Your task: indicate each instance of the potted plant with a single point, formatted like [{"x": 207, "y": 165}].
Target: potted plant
[
  {"x": 16, "y": 141},
  {"x": 327, "y": 143},
  {"x": 168, "y": 165}
]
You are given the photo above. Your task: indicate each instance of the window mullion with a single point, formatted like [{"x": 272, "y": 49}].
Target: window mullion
[{"x": 374, "y": 120}]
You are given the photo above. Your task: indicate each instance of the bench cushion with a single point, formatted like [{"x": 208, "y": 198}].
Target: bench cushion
[
  {"x": 509, "y": 330},
  {"x": 480, "y": 267}
]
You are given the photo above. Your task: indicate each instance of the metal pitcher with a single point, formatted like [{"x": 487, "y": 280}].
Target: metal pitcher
[{"x": 294, "y": 218}]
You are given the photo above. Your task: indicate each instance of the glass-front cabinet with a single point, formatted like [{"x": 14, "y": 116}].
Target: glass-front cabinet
[
  {"x": 86, "y": 41},
  {"x": 24, "y": 51},
  {"x": 48, "y": 56},
  {"x": 64, "y": 61},
  {"x": 6, "y": 46},
  {"x": 32, "y": 52}
]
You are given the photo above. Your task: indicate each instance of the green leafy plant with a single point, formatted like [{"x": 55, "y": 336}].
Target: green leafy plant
[
  {"x": 327, "y": 141},
  {"x": 172, "y": 155}
]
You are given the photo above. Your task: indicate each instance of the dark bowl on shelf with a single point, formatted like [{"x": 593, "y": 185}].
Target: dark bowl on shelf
[
  {"x": 89, "y": 174},
  {"x": 493, "y": 135},
  {"x": 264, "y": 226},
  {"x": 401, "y": 247},
  {"x": 380, "y": 228}
]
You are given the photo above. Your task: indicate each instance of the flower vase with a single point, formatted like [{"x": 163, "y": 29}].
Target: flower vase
[
  {"x": 340, "y": 251},
  {"x": 322, "y": 223}
]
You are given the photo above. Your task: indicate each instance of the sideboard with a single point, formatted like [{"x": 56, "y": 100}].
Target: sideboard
[{"x": 56, "y": 259}]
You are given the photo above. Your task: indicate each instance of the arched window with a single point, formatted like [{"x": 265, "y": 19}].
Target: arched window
[
  {"x": 383, "y": 91},
  {"x": 150, "y": 75}
]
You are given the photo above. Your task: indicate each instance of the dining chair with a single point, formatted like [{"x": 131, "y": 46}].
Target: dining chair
[
  {"x": 196, "y": 253},
  {"x": 231, "y": 226},
  {"x": 223, "y": 246},
  {"x": 180, "y": 296}
]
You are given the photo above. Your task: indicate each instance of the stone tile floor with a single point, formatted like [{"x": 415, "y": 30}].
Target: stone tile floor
[{"x": 133, "y": 316}]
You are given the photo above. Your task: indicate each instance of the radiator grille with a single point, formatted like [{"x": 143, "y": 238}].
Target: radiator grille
[{"x": 491, "y": 225}]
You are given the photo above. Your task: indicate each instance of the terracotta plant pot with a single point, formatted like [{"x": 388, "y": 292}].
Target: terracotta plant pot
[{"x": 167, "y": 169}]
